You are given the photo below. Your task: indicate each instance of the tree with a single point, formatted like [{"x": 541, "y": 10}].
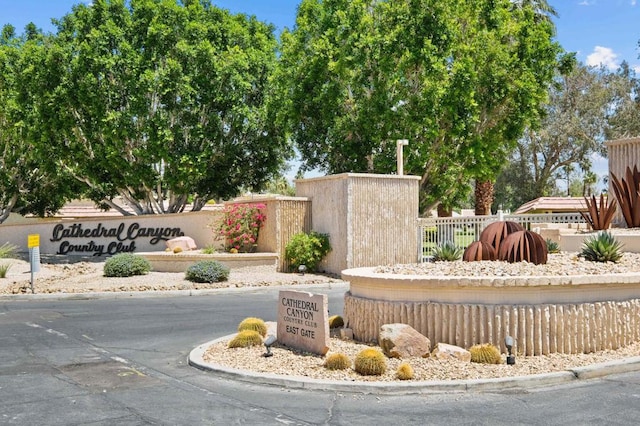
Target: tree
[
  {"x": 624, "y": 121},
  {"x": 28, "y": 181},
  {"x": 161, "y": 103},
  {"x": 572, "y": 130},
  {"x": 459, "y": 79}
]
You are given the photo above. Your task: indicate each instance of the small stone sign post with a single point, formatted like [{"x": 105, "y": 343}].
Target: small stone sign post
[{"x": 303, "y": 321}]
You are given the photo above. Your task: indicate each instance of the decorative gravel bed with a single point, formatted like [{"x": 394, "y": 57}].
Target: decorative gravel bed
[{"x": 289, "y": 362}]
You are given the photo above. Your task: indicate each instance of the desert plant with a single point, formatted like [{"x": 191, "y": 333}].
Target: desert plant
[
  {"x": 245, "y": 339},
  {"x": 4, "y": 268},
  {"x": 207, "y": 271},
  {"x": 524, "y": 246},
  {"x": 404, "y": 371},
  {"x": 552, "y": 246},
  {"x": 479, "y": 250},
  {"x": 446, "y": 252},
  {"x": 337, "y": 361},
  {"x": 599, "y": 216},
  {"x": 255, "y": 324},
  {"x": 177, "y": 250},
  {"x": 8, "y": 250},
  {"x": 126, "y": 265},
  {"x": 485, "y": 354},
  {"x": 210, "y": 249},
  {"x": 370, "y": 362},
  {"x": 240, "y": 225},
  {"x": 336, "y": 321},
  {"x": 307, "y": 249},
  {"x": 496, "y": 232},
  {"x": 602, "y": 247},
  {"x": 627, "y": 192}
]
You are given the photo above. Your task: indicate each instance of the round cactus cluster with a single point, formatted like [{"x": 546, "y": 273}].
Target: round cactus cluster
[
  {"x": 404, "y": 372},
  {"x": 255, "y": 324},
  {"x": 485, "y": 354},
  {"x": 245, "y": 339},
  {"x": 337, "y": 361},
  {"x": 370, "y": 362}
]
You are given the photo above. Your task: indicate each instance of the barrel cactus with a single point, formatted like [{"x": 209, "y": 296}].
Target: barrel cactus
[
  {"x": 245, "y": 339},
  {"x": 404, "y": 371},
  {"x": 485, "y": 354},
  {"x": 337, "y": 361},
  {"x": 370, "y": 362},
  {"x": 496, "y": 232},
  {"x": 479, "y": 250},
  {"x": 336, "y": 321},
  {"x": 255, "y": 324},
  {"x": 524, "y": 246}
]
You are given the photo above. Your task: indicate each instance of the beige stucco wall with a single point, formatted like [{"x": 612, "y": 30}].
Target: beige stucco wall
[
  {"x": 622, "y": 153},
  {"x": 370, "y": 219},
  {"x": 196, "y": 225},
  {"x": 286, "y": 216}
]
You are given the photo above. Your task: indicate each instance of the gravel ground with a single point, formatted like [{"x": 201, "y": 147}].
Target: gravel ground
[{"x": 87, "y": 277}]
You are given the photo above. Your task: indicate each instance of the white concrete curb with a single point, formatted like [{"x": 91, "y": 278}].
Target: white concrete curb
[{"x": 196, "y": 359}]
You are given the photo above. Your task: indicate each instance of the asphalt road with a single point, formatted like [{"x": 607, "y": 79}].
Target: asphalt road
[{"x": 123, "y": 361}]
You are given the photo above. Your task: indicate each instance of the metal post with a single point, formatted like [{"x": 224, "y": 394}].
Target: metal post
[{"x": 399, "y": 144}]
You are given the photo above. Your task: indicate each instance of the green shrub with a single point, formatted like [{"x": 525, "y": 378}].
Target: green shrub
[
  {"x": 207, "y": 271},
  {"x": 210, "y": 249},
  {"x": 447, "y": 252},
  {"x": 404, "y": 372},
  {"x": 602, "y": 247},
  {"x": 245, "y": 339},
  {"x": 338, "y": 361},
  {"x": 255, "y": 324},
  {"x": 307, "y": 249},
  {"x": 370, "y": 362},
  {"x": 126, "y": 265},
  {"x": 552, "y": 246},
  {"x": 4, "y": 268},
  {"x": 8, "y": 250},
  {"x": 485, "y": 354}
]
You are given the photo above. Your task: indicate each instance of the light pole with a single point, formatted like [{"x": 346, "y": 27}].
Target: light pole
[{"x": 399, "y": 158}]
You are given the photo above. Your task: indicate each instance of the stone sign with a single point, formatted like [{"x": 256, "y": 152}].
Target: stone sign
[{"x": 303, "y": 321}]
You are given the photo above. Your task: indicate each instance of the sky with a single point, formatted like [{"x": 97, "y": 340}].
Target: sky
[{"x": 601, "y": 32}]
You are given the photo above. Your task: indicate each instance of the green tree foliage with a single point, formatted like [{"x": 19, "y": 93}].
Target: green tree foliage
[
  {"x": 161, "y": 102},
  {"x": 29, "y": 182},
  {"x": 459, "y": 79},
  {"x": 573, "y": 129}
]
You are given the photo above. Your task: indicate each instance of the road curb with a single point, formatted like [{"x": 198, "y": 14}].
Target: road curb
[
  {"x": 196, "y": 359},
  {"x": 165, "y": 293}
]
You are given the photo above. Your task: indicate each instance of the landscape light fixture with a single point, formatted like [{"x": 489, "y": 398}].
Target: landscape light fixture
[
  {"x": 268, "y": 342},
  {"x": 302, "y": 269},
  {"x": 511, "y": 358}
]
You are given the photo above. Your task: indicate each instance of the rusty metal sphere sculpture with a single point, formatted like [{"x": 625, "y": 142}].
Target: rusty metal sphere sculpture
[
  {"x": 496, "y": 232},
  {"x": 479, "y": 250},
  {"x": 524, "y": 246}
]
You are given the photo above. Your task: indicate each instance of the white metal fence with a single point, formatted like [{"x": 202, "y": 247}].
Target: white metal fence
[{"x": 463, "y": 230}]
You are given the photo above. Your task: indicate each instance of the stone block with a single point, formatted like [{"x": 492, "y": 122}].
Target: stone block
[
  {"x": 403, "y": 341},
  {"x": 445, "y": 350},
  {"x": 185, "y": 243}
]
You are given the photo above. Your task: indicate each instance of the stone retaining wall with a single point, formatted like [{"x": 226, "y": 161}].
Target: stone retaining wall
[{"x": 537, "y": 329}]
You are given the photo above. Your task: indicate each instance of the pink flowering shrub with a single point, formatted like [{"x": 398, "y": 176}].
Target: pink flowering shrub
[{"x": 240, "y": 226}]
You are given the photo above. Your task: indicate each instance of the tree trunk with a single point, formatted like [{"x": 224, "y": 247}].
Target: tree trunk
[
  {"x": 444, "y": 211},
  {"x": 484, "y": 197}
]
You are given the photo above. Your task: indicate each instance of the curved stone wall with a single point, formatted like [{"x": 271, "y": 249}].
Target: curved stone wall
[{"x": 589, "y": 314}]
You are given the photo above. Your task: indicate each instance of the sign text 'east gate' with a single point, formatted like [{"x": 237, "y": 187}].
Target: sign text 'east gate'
[{"x": 120, "y": 239}]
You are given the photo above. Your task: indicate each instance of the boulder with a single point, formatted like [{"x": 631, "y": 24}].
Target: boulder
[
  {"x": 403, "y": 341},
  {"x": 444, "y": 351},
  {"x": 185, "y": 243}
]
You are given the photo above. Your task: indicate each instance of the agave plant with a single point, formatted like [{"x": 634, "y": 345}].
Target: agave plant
[
  {"x": 447, "y": 252},
  {"x": 552, "y": 246},
  {"x": 627, "y": 192},
  {"x": 599, "y": 216},
  {"x": 602, "y": 247}
]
